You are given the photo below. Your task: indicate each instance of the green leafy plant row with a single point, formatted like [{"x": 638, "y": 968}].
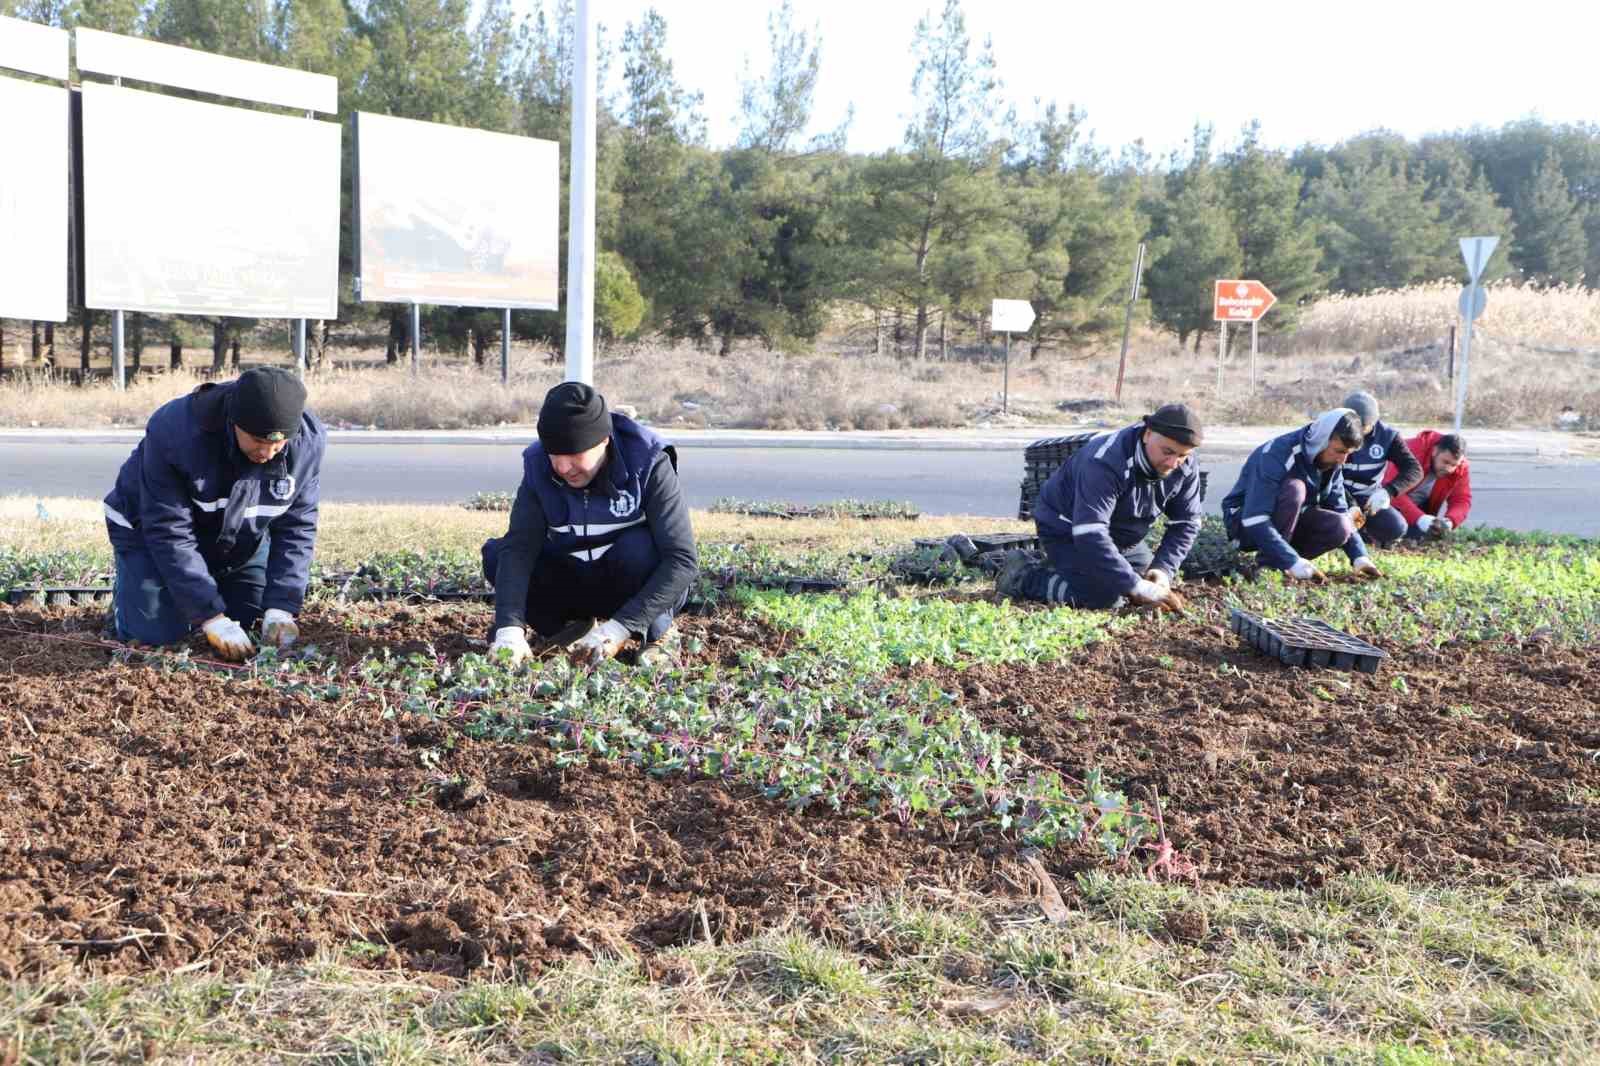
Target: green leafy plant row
[
  {"x": 1459, "y": 592},
  {"x": 803, "y": 729},
  {"x": 873, "y": 632}
]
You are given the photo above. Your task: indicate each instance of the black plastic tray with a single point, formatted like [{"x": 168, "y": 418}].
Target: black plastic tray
[
  {"x": 1307, "y": 642},
  {"x": 58, "y": 595}
]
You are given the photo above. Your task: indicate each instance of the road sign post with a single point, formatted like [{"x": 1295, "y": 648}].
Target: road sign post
[
  {"x": 1475, "y": 252},
  {"x": 1008, "y": 316},
  {"x": 1237, "y": 300},
  {"x": 1127, "y": 319}
]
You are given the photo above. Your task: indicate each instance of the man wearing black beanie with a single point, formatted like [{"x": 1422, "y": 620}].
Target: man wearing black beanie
[
  {"x": 599, "y": 535},
  {"x": 213, "y": 518},
  {"x": 1096, "y": 509}
]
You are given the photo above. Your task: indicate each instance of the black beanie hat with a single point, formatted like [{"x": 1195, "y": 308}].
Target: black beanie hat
[
  {"x": 268, "y": 402},
  {"x": 573, "y": 419},
  {"x": 1177, "y": 421}
]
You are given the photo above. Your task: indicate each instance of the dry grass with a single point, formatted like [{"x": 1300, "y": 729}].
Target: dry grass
[
  {"x": 1361, "y": 971},
  {"x": 352, "y": 532},
  {"x": 1534, "y": 357}
]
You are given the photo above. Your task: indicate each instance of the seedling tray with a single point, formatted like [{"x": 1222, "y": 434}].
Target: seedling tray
[
  {"x": 1307, "y": 642},
  {"x": 58, "y": 595}
]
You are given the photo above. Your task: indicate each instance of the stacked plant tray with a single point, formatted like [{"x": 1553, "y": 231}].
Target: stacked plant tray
[
  {"x": 1214, "y": 554},
  {"x": 1307, "y": 642},
  {"x": 58, "y": 596},
  {"x": 1041, "y": 459}
]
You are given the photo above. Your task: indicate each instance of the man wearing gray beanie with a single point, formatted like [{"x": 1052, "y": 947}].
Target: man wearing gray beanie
[
  {"x": 599, "y": 535},
  {"x": 1364, "y": 472}
]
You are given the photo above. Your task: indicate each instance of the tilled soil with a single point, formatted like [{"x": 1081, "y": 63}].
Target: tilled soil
[
  {"x": 152, "y": 819},
  {"x": 156, "y": 819},
  {"x": 1468, "y": 763}
]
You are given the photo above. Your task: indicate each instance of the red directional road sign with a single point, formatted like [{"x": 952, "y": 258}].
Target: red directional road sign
[{"x": 1242, "y": 301}]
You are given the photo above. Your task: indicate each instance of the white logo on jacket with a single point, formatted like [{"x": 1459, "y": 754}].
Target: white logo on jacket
[
  {"x": 282, "y": 488},
  {"x": 1376, "y": 451},
  {"x": 623, "y": 503}
]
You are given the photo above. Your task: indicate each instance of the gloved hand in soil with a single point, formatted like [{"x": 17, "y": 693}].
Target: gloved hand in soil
[
  {"x": 278, "y": 628},
  {"x": 1158, "y": 577},
  {"x": 1302, "y": 570},
  {"x": 228, "y": 638},
  {"x": 513, "y": 641},
  {"x": 1358, "y": 517},
  {"x": 1151, "y": 593},
  {"x": 1443, "y": 527},
  {"x": 603, "y": 640},
  {"x": 1379, "y": 500},
  {"x": 1366, "y": 570}
]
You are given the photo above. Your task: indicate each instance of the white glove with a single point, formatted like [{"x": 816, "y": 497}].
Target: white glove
[
  {"x": 1302, "y": 570},
  {"x": 1377, "y": 501},
  {"x": 278, "y": 628},
  {"x": 510, "y": 639},
  {"x": 1366, "y": 569},
  {"x": 1159, "y": 577},
  {"x": 1149, "y": 592},
  {"x": 1445, "y": 525},
  {"x": 603, "y": 641},
  {"x": 1425, "y": 523},
  {"x": 228, "y": 638}
]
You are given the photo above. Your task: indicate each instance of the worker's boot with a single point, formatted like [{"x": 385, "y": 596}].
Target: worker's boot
[{"x": 1012, "y": 575}]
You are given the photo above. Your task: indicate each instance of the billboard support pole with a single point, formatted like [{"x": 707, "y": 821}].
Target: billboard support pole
[
  {"x": 580, "y": 208},
  {"x": 300, "y": 346},
  {"x": 416, "y": 338},
  {"x": 117, "y": 364},
  {"x": 505, "y": 346},
  {"x": 1222, "y": 351}
]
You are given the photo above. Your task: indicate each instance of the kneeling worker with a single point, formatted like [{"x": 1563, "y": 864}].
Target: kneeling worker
[
  {"x": 1381, "y": 449},
  {"x": 213, "y": 518},
  {"x": 1289, "y": 504},
  {"x": 1094, "y": 512},
  {"x": 1441, "y": 501},
  {"x": 599, "y": 531}
]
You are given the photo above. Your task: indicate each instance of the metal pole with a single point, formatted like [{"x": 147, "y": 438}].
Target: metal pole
[
  {"x": 300, "y": 360},
  {"x": 416, "y": 338},
  {"x": 1005, "y": 393},
  {"x": 580, "y": 208},
  {"x": 1450, "y": 357},
  {"x": 1222, "y": 349},
  {"x": 1466, "y": 354},
  {"x": 505, "y": 346},
  {"x": 117, "y": 377},
  {"x": 1253, "y": 324},
  {"x": 1127, "y": 320}
]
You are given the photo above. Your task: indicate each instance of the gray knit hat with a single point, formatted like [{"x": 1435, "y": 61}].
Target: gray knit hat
[{"x": 1365, "y": 405}]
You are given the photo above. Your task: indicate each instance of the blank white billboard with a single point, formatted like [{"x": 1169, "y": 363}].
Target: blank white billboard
[
  {"x": 461, "y": 217},
  {"x": 33, "y": 201},
  {"x": 194, "y": 208}
]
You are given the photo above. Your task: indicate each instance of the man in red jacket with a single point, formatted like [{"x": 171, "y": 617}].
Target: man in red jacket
[{"x": 1440, "y": 502}]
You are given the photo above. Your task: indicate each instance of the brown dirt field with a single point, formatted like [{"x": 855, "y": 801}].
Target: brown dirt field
[
  {"x": 154, "y": 820},
  {"x": 1487, "y": 767}
]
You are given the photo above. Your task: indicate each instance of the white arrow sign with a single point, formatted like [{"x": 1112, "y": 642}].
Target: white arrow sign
[
  {"x": 1476, "y": 251},
  {"x": 1011, "y": 316}
]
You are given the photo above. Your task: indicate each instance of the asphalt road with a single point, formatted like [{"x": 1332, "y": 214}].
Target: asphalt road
[{"x": 1559, "y": 497}]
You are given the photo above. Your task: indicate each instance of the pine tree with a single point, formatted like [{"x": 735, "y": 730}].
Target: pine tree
[
  {"x": 1378, "y": 228},
  {"x": 1199, "y": 247},
  {"x": 1276, "y": 246},
  {"x": 1551, "y": 245}
]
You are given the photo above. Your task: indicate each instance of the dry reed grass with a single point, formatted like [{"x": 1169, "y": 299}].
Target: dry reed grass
[{"x": 1534, "y": 357}]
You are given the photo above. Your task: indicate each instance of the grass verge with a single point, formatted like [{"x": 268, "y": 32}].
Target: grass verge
[{"x": 1361, "y": 971}]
